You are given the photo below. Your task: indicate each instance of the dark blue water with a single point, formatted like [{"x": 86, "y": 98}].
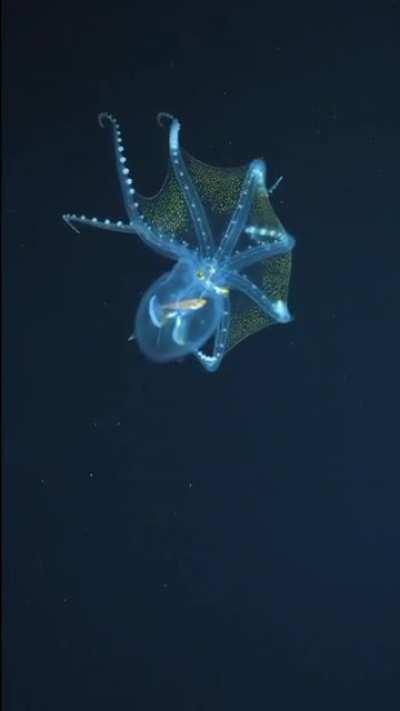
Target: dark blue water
[{"x": 175, "y": 539}]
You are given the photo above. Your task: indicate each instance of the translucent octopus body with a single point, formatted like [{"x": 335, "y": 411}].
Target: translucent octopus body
[{"x": 233, "y": 255}]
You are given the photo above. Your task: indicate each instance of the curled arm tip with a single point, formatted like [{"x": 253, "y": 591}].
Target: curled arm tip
[
  {"x": 68, "y": 220},
  {"x": 104, "y": 116},
  {"x": 164, "y": 115}
]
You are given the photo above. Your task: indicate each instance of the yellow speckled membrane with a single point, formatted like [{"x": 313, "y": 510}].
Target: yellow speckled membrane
[
  {"x": 246, "y": 317},
  {"x": 219, "y": 190}
]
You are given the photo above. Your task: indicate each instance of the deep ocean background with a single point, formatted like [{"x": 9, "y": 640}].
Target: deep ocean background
[{"x": 174, "y": 539}]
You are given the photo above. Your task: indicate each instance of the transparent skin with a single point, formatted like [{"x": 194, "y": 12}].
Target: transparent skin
[
  {"x": 177, "y": 315},
  {"x": 232, "y": 254}
]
